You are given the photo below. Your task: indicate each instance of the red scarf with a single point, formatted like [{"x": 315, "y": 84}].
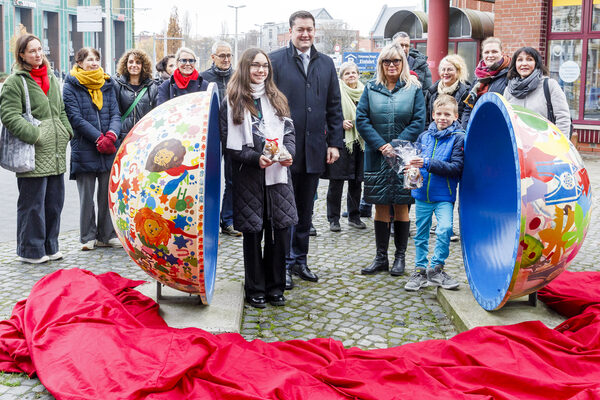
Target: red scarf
[
  {"x": 485, "y": 74},
  {"x": 40, "y": 76},
  {"x": 183, "y": 81}
]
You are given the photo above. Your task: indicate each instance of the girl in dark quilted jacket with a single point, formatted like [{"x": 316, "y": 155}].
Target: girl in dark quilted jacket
[{"x": 254, "y": 116}]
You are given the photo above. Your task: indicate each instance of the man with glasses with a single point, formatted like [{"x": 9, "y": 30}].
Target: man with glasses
[
  {"x": 220, "y": 72},
  {"x": 309, "y": 81},
  {"x": 417, "y": 62}
]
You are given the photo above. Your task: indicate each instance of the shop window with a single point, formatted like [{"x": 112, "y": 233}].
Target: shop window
[
  {"x": 562, "y": 54},
  {"x": 566, "y": 15},
  {"x": 596, "y": 16},
  {"x": 422, "y": 47},
  {"x": 592, "y": 81},
  {"x": 468, "y": 51}
]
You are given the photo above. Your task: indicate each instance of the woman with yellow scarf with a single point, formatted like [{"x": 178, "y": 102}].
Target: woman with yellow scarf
[
  {"x": 349, "y": 167},
  {"x": 93, "y": 111}
]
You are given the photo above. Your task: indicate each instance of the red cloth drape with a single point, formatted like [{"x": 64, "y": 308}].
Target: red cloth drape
[{"x": 94, "y": 337}]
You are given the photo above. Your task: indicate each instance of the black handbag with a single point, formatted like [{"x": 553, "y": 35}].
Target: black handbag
[{"x": 15, "y": 154}]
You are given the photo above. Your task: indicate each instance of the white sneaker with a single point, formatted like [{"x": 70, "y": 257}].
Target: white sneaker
[
  {"x": 56, "y": 256},
  {"x": 88, "y": 245},
  {"x": 34, "y": 260},
  {"x": 114, "y": 242}
]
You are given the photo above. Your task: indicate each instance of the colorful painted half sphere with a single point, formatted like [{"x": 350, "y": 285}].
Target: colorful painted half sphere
[
  {"x": 525, "y": 202},
  {"x": 164, "y": 193}
]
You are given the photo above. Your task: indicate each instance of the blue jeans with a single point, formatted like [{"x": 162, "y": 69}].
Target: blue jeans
[{"x": 443, "y": 213}]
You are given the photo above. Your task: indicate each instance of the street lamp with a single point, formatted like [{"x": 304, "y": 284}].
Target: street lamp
[{"x": 235, "y": 51}]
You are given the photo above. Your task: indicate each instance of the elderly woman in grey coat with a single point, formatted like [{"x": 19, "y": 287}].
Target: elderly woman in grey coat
[{"x": 526, "y": 76}]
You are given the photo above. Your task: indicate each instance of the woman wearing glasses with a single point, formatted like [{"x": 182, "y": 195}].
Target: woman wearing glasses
[
  {"x": 254, "y": 113},
  {"x": 185, "y": 78},
  {"x": 391, "y": 107}
]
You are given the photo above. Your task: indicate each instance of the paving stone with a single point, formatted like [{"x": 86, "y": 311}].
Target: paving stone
[{"x": 362, "y": 311}]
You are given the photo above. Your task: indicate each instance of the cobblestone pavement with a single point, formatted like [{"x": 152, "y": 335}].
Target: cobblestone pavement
[{"x": 364, "y": 311}]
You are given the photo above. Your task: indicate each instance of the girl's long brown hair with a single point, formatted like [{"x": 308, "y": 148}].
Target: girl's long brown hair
[{"x": 239, "y": 91}]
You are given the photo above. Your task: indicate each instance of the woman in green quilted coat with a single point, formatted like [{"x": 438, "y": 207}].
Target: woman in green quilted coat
[
  {"x": 391, "y": 107},
  {"x": 41, "y": 191}
]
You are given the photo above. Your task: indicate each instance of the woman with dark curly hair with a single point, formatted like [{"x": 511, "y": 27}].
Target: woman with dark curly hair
[{"x": 135, "y": 89}]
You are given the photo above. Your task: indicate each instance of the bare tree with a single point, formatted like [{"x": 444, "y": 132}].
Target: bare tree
[
  {"x": 174, "y": 32},
  {"x": 186, "y": 26},
  {"x": 334, "y": 33}
]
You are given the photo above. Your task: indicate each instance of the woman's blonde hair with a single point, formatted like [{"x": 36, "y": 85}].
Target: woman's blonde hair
[
  {"x": 390, "y": 52},
  {"x": 489, "y": 40},
  {"x": 459, "y": 63}
]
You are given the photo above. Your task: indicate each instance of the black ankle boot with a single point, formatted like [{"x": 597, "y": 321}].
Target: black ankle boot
[
  {"x": 382, "y": 240},
  {"x": 401, "y": 230}
]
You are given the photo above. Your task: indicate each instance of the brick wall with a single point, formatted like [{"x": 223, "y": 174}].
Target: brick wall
[
  {"x": 474, "y": 5},
  {"x": 521, "y": 23}
]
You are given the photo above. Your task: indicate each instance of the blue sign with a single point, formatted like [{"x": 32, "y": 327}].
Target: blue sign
[{"x": 364, "y": 61}]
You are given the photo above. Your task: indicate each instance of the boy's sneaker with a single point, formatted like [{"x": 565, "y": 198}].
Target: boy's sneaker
[
  {"x": 438, "y": 277},
  {"x": 416, "y": 281},
  {"x": 455, "y": 237}
]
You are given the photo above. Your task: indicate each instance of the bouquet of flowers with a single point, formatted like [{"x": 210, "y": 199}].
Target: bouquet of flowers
[{"x": 405, "y": 152}]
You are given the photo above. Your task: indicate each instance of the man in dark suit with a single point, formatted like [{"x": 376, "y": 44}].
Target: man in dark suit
[{"x": 309, "y": 81}]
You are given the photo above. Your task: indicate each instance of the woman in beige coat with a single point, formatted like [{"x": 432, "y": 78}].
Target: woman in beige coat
[{"x": 526, "y": 76}]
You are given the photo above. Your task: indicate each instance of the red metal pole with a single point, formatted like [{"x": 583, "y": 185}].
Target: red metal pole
[{"x": 437, "y": 35}]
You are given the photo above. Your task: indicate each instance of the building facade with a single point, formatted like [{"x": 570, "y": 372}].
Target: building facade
[
  {"x": 55, "y": 23},
  {"x": 567, "y": 32}
]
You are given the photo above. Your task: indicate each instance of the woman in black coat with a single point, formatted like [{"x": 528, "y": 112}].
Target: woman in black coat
[
  {"x": 185, "y": 78},
  {"x": 134, "y": 81},
  {"x": 453, "y": 81},
  {"x": 255, "y": 113}
]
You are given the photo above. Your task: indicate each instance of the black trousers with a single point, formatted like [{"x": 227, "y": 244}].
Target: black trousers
[
  {"x": 305, "y": 188},
  {"x": 334, "y": 199},
  {"x": 38, "y": 215},
  {"x": 265, "y": 272}
]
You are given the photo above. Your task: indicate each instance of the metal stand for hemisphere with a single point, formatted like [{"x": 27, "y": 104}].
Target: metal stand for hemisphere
[{"x": 159, "y": 295}]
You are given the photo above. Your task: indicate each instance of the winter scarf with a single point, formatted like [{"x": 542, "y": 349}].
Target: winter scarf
[
  {"x": 350, "y": 98},
  {"x": 239, "y": 135},
  {"x": 40, "y": 76},
  {"x": 93, "y": 81},
  {"x": 183, "y": 81},
  {"x": 449, "y": 90},
  {"x": 486, "y": 74},
  {"x": 521, "y": 87}
]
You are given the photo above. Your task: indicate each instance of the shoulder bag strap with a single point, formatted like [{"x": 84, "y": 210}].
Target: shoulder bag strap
[
  {"x": 550, "y": 111},
  {"x": 27, "y": 103},
  {"x": 132, "y": 106}
]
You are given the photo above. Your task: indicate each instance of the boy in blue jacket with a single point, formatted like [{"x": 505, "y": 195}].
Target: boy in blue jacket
[{"x": 441, "y": 165}]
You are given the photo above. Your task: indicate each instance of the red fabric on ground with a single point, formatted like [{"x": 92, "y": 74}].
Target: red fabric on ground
[{"x": 94, "y": 337}]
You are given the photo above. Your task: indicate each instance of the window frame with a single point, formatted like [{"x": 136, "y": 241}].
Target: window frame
[{"x": 584, "y": 35}]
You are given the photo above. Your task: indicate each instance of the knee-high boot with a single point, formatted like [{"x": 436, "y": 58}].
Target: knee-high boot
[
  {"x": 382, "y": 240},
  {"x": 401, "y": 230}
]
